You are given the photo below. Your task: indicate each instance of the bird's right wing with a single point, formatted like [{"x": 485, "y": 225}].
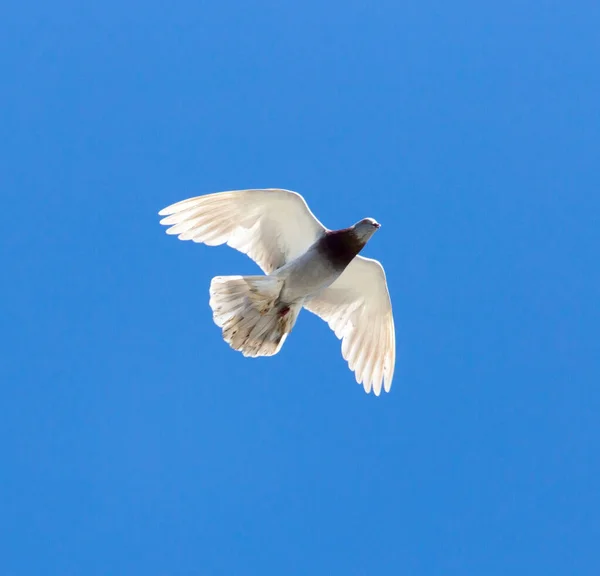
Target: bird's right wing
[
  {"x": 357, "y": 308},
  {"x": 271, "y": 226}
]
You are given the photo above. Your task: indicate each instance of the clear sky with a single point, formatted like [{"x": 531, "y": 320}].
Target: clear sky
[{"x": 133, "y": 440}]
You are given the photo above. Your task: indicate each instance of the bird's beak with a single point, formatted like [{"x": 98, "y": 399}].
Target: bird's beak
[{"x": 377, "y": 225}]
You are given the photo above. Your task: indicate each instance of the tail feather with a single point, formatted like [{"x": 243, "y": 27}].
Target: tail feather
[{"x": 249, "y": 312}]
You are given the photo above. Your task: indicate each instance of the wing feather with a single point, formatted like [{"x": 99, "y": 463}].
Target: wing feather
[
  {"x": 358, "y": 309},
  {"x": 271, "y": 226}
]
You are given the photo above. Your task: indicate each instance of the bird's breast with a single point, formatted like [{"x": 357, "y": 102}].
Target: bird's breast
[{"x": 308, "y": 274}]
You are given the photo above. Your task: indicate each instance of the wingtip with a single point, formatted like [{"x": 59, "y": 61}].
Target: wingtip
[
  {"x": 387, "y": 384},
  {"x": 377, "y": 387},
  {"x": 164, "y": 212}
]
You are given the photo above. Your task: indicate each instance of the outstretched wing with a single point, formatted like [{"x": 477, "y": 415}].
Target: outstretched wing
[
  {"x": 271, "y": 226},
  {"x": 357, "y": 308}
]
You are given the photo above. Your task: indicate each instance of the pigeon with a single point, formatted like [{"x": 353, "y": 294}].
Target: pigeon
[{"x": 306, "y": 265}]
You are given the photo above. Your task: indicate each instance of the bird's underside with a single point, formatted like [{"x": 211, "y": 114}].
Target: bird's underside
[{"x": 305, "y": 264}]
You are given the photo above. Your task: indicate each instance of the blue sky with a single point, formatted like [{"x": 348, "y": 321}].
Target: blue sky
[{"x": 135, "y": 441}]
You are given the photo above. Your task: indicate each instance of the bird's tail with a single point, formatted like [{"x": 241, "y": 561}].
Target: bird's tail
[{"x": 249, "y": 312}]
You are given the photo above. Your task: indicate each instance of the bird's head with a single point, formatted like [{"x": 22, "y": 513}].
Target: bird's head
[{"x": 365, "y": 229}]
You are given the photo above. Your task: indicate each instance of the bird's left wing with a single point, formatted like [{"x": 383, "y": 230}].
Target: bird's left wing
[
  {"x": 271, "y": 226},
  {"x": 357, "y": 308}
]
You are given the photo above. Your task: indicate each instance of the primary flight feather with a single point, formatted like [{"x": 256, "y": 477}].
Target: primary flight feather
[{"x": 305, "y": 265}]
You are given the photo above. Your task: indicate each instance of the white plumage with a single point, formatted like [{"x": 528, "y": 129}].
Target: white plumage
[{"x": 306, "y": 265}]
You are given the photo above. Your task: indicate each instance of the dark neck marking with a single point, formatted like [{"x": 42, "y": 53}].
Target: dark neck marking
[{"x": 340, "y": 247}]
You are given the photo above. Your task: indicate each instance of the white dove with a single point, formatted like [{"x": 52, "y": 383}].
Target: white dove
[{"x": 306, "y": 265}]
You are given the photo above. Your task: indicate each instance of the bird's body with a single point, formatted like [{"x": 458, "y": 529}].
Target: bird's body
[
  {"x": 306, "y": 265},
  {"x": 320, "y": 266},
  {"x": 305, "y": 276}
]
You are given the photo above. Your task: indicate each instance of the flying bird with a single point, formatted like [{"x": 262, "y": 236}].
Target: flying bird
[{"x": 306, "y": 265}]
